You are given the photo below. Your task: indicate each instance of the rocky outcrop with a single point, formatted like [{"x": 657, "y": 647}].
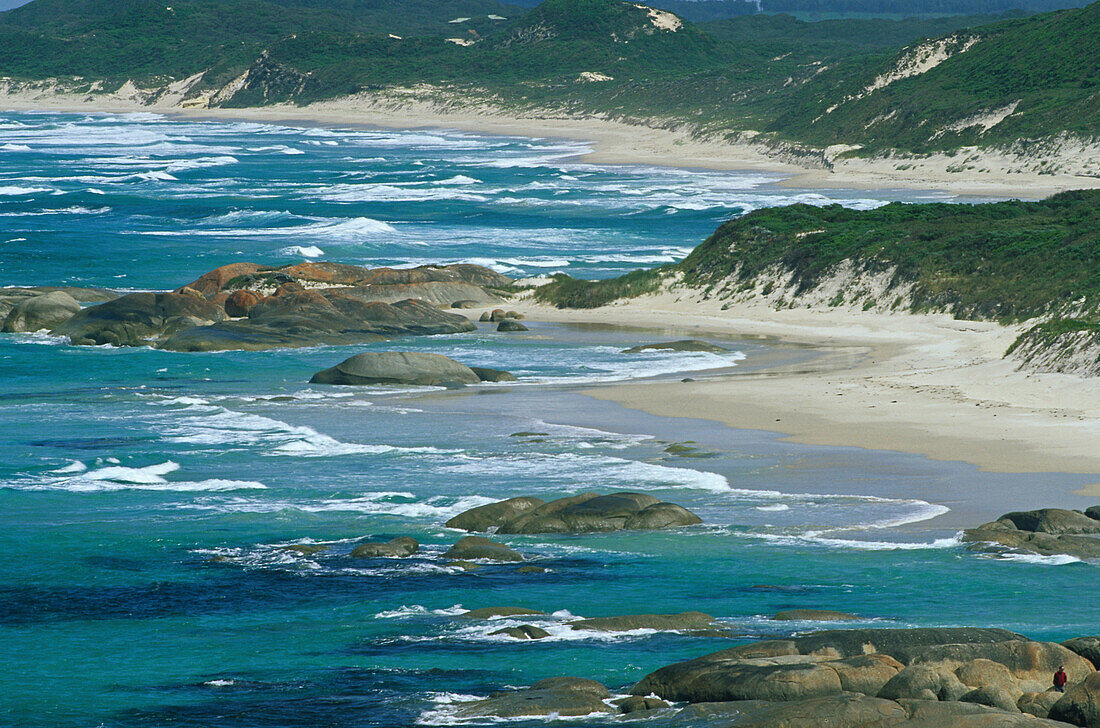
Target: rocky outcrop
[
  {"x": 397, "y": 367},
  {"x": 311, "y": 318},
  {"x": 812, "y": 615},
  {"x": 561, "y": 696},
  {"x": 477, "y": 547},
  {"x": 683, "y": 345},
  {"x": 1048, "y": 532},
  {"x": 138, "y": 319},
  {"x": 585, "y": 513},
  {"x": 35, "y": 313},
  {"x": 302, "y": 305},
  {"x": 511, "y": 326},
  {"x": 397, "y": 548}
]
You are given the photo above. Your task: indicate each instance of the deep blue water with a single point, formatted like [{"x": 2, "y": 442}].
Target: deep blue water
[{"x": 145, "y": 494}]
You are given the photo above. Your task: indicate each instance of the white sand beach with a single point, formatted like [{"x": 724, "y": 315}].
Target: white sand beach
[{"x": 926, "y": 384}]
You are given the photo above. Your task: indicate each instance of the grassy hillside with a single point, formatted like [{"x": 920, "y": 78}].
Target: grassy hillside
[
  {"x": 1042, "y": 74},
  {"x": 1006, "y": 261}
]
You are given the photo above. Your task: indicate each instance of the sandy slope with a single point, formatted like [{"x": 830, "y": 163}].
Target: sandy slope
[
  {"x": 974, "y": 173},
  {"x": 921, "y": 384}
]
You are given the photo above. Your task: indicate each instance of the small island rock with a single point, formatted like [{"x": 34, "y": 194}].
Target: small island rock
[{"x": 397, "y": 367}]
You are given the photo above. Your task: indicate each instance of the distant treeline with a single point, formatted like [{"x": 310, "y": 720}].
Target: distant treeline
[{"x": 699, "y": 11}]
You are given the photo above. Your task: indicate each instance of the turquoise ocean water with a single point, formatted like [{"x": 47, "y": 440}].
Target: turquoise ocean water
[{"x": 144, "y": 495}]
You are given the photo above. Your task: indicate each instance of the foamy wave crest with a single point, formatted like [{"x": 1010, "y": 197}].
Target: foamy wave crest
[
  {"x": 15, "y": 148},
  {"x": 333, "y": 230},
  {"x": 595, "y": 471},
  {"x": 307, "y": 251},
  {"x": 218, "y": 426},
  {"x": 182, "y": 165},
  {"x": 388, "y": 503},
  {"x": 77, "y": 478},
  {"x": 1051, "y": 560},
  {"x": 17, "y": 191}
]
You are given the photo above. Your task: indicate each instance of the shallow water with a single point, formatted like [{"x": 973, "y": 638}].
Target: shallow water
[{"x": 145, "y": 494}]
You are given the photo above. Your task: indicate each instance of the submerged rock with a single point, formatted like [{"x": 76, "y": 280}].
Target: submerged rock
[
  {"x": 661, "y": 622},
  {"x": 586, "y": 513},
  {"x": 397, "y": 548},
  {"x": 812, "y": 615},
  {"x": 490, "y": 612},
  {"x": 562, "y": 696},
  {"x": 397, "y": 367},
  {"x": 478, "y": 547},
  {"x": 683, "y": 345},
  {"x": 45, "y": 311}
]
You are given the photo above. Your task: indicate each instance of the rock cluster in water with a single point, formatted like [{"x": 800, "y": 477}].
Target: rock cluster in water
[
  {"x": 864, "y": 678},
  {"x": 1047, "y": 531},
  {"x": 253, "y": 307},
  {"x": 585, "y": 513},
  {"x": 25, "y": 310}
]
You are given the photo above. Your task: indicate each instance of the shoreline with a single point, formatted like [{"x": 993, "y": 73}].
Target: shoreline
[
  {"x": 920, "y": 384},
  {"x": 616, "y": 142}
]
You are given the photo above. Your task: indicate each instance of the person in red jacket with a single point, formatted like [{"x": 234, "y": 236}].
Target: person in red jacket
[{"x": 1060, "y": 679}]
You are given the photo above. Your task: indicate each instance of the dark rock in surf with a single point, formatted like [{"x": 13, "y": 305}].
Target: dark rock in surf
[
  {"x": 397, "y": 548},
  {"x": 586, "y": 513},
  {"x": 591, "y": 512},
  {"x": 684, "y": 345},
  {"x": 523, "y": 632},
  {"x": 1047, "y": 532},
  {"x": 1093, "y": 512},
  {"x": 397, "y": 367},
  {"x": 812, "y": 615},
  {"x": 493, "y": 375},
  {"x": 485, "y": 517},
  {"x": 637, "y": 704},
  {"x": 511, "y": 326}
]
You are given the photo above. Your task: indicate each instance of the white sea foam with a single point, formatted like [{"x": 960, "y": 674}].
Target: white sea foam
[
  {"x": 415, "y": 610},
  {"x": 1051, "y": 560},
  {"x": 183, "y": 165},
  {"x": 18, "y": 191},
  {"x": 15, "y": 147},
  {"x": 774, "y": 507}
]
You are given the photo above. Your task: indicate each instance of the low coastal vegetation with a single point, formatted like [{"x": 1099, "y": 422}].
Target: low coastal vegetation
[{"x": 1010, "y": 262}]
